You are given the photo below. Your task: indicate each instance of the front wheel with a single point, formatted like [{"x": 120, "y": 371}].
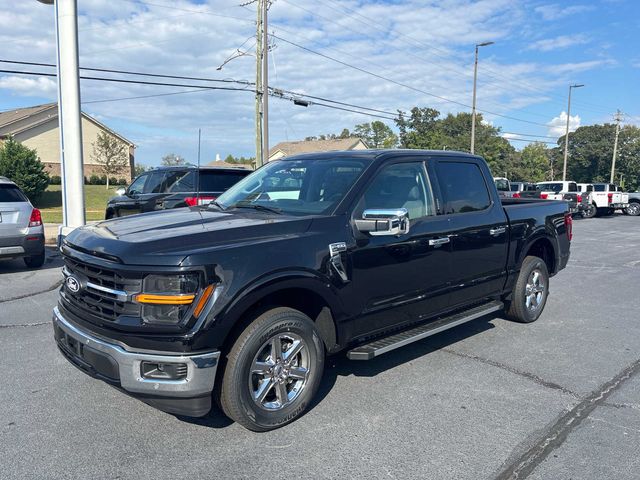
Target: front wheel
[
  {"x": 633, "y": 209},
  {"x": 273, "y": 370},
  {"x": 530, "y": 292}
]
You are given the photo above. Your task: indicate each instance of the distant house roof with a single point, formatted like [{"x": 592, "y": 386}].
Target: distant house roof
[
  {"x": 24, "y": 114},
  {"x": 221, "y": 164},
  {"x": 309, "y": 146}
]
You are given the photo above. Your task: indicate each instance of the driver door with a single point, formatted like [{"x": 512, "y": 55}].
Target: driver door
[{"x": 399, "y": 279}]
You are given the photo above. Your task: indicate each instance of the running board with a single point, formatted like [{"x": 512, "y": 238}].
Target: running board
[{"x": 376, "y": 348}]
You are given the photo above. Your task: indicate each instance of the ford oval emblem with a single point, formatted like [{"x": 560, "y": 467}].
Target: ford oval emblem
[{"x": 73, "y": 284}]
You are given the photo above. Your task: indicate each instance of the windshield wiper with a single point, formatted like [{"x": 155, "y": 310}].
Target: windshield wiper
[
  {"x": 216, "y": 204},
  {"x": 256, "y": 206}
]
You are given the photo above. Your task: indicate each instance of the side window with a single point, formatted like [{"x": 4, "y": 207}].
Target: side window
[
  {"x": 463, "y": 187},
  {"x": 403, "y": 185},
  {"x": 138, "y": 184},
  {"x": 154, "y": 185},
  {"x": 573, "y": 187},
  {"x": 179, "y": 181}
]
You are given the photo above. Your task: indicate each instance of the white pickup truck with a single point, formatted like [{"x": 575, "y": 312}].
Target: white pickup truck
[
  {"x": 605, "y": 197},
  {"x": 564, "y": 190}
]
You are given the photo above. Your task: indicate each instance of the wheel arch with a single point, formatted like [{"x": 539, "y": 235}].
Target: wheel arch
[{"x": 544, "y": 248}]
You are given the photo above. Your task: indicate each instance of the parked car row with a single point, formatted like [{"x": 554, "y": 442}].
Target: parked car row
[{"x": 585, "y": 199}]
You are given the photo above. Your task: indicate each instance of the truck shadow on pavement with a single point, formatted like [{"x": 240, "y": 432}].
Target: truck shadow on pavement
[{"x": 339, "y": 366}]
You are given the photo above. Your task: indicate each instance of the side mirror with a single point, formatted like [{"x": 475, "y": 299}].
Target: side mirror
[
  {"x": 384, "y": 221},
  {"x": 121, "y": 191}
]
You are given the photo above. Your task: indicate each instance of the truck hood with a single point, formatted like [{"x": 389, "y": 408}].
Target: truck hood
[{"x": 167, "y": 237}]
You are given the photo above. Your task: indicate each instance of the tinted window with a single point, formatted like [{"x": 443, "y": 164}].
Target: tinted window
[
  {"x": 502, "y": 184},
  {"x": 212, "y": 181},
  {"x": 403, "y": 185},
  {"x": 550, "y": 187},
  {"x": 138, "y": 184},
  {"x": 463, "y": 187},
  {"x": 599, "y": 188},
  {"x": 179, "y": 181},
  {"x": 573, "y": 187},
  {"x": 515, "y": 187},
  {"x": 11, "y": 193},
  {"x": 154, "y": 185}
]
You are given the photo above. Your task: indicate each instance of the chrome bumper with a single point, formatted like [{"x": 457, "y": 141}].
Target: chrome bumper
[{"x": 201, "y": 368}]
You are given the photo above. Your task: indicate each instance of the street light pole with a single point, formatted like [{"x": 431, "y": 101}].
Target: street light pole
[
  {"x": 566, "y": 135},
  {"x": 618, "y": 119},
  {"x": 69, "y": 116},
  {"x": 473, "y": 106}
]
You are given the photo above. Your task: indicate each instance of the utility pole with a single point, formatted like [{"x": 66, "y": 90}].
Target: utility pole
[
  {"x": 262, "y": 85},
  {"x": 69, "y": 116},
  {"x": 566, "y": 135},
  {"x": 618, "y": 119},
  {"x": 473, "y": 106}
]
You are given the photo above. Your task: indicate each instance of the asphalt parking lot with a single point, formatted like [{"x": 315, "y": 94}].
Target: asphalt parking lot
[{"x": 557, "y": 399}]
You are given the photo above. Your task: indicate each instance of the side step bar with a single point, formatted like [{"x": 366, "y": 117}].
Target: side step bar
[{"x": 376, "y": 348}]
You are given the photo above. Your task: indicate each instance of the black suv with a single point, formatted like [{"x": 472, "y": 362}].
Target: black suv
[{"x": 173, "y": 187}]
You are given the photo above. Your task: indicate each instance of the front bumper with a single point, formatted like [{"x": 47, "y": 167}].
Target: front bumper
[{"x": 117, "y": 365}]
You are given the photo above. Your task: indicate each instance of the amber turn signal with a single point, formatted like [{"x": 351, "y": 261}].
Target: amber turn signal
[
  {"x": 165, "y": 299},
  {"x": 206, "y": 294}
]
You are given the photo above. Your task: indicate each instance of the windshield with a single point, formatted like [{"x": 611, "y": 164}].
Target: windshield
[
  {"x": 550, "y": 187},
  {"x": 303, "y": 187},
  {"x": 502, "y": 184}
]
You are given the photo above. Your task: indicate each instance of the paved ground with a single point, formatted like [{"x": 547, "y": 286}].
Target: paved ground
[{"x": 558, "y": 399}]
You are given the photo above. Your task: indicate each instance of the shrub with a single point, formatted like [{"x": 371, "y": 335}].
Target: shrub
[
  {"x": 55, "y": 180},
  {"x": 122, "y": 181},
  {"x": 94, "y": 180},
  {"x": 22, "y": 166},
  {"x": 103, "y": 180},
  {"x": 113, "y": 181}
]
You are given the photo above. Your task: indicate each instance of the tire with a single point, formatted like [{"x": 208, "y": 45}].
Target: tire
[
  {"x": 633, "y": 209},
  {"x": 530, "y": 292},
  {"x": 261, "y": 392},
  {"x": 35, "y": 261},
  {"x": 589, "y": 212}
]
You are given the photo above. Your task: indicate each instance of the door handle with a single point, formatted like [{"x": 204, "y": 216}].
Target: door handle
[
  {"x": 497, "y": 231},
  {"x": 439, "y": 241}
]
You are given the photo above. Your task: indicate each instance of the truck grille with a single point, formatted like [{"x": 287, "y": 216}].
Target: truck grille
[{"x": 104, "y": 295}]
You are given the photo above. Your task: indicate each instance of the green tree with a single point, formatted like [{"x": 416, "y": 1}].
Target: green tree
[
  {"x": 110, "y": 153},
  {"x": 172, "y": 159},
  {"x": 532, "y": 164},
  {"x": 139, "y": 169},
  {"x": 376, "y": 134},
  {"x": 21, "y": 165},
  {"x": 250, "y": 161}
]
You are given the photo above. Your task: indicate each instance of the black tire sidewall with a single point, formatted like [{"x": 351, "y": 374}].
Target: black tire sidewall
[
  {"x": 636, "y": 207},
  {"x": 530, "y": 264},
  {"x": 276, "y": 321},
  {"x": 35, "y": 261}
]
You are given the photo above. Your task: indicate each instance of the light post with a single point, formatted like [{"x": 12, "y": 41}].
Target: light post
[
  {"x": 69, "y": 116},
  {"x": 566, "y": 135},
  {"x": 473, "y": 107}
]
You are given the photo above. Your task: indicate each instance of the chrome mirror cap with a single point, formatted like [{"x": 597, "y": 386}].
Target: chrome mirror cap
[{"x": 378, "y": 221}]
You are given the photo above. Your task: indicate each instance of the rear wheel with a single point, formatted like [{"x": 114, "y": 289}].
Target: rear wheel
[
  {"x": 273, "y": 370},
  {"x": 35, "y": 261},
  {"x": 589, "y": 212},
  {"x": 530, "y": 292},
  {"x": 633, "y": 209}
]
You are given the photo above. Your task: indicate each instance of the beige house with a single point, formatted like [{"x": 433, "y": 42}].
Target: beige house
[
  {"x": 285, "y": 149},
  {"x": 37, "y": 128}
]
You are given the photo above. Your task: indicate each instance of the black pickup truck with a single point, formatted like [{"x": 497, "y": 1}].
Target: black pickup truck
[{"x": 241, "y": 300}]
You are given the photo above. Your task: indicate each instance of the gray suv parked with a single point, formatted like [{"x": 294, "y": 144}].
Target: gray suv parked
[{"x": 21, "y": 230}]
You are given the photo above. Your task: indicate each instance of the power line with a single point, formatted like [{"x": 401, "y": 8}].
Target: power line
[
  {"x": 529, "y": 135},
  {"x": 404, "y": 85}
]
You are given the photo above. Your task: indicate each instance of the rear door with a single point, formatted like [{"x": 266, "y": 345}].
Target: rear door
[
  {"x": 478, "y": 228},
  {"x": 15, "y": 211}
]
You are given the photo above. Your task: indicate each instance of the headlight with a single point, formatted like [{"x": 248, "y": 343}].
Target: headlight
[{"x": 167, "y": 298}]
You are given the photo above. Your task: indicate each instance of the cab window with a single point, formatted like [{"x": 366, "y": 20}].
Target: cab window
[
  {"x": 154, "y": 185},
  {"x": 137, "y": 186},
  {"x": 463, "y": 187}
]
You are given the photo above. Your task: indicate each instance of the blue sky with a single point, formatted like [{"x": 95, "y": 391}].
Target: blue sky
[{"x": 540, "y": 48}]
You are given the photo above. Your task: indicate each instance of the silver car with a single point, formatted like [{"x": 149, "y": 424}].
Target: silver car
[{"x": 21, "y": 229}]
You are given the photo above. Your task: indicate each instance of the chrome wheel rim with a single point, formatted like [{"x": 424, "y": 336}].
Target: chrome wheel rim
[
  {"x": 279, "y": 371},
  {"x": 633, "y": 208},
  {"x": 535, "y": 290}
]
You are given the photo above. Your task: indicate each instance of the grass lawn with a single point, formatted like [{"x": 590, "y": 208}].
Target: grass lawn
[{"x": 95, "y": 201}]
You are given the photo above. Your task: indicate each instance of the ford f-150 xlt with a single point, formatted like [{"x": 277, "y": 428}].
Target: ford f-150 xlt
[{"x": 241, "y": 300}]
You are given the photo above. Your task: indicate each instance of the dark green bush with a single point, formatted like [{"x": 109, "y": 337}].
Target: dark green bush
[
  {"x": 22, "y": 166},
  {"x": 55, "y": 180}
]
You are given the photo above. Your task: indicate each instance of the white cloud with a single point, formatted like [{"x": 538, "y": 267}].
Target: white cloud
[
  {"x": 558, "y": 43},
  {"x": 556, "y": 12},
  {"x": 31, "y": 87},
  {"x": 558, "y": 125}
]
